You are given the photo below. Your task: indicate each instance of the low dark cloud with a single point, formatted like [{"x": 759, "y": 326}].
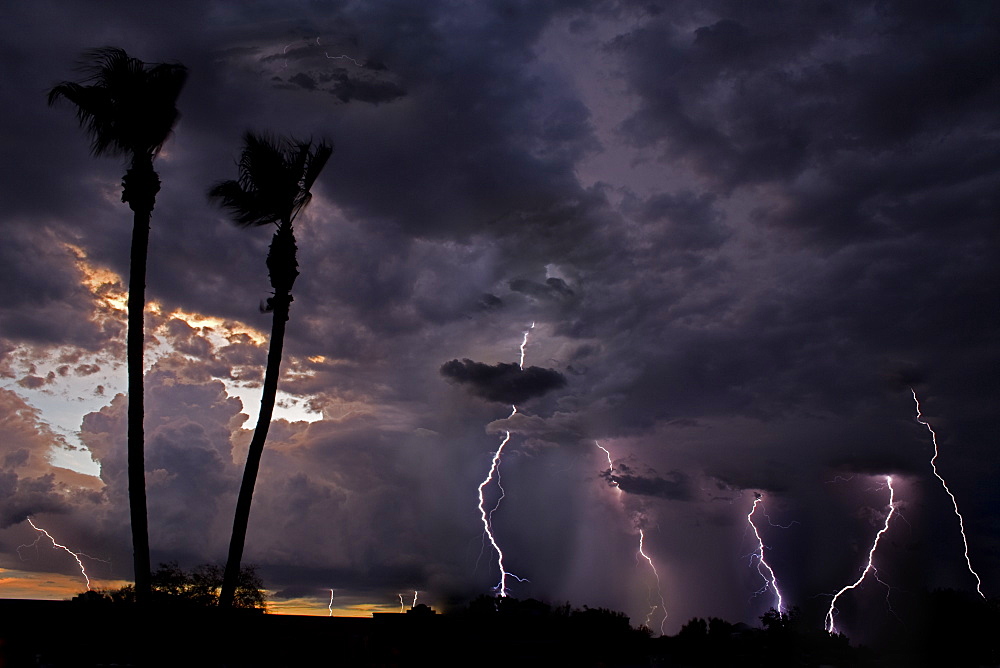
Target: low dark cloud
[
  {"x": 506, "y": 383},
  {"x": 675, "y": 486}
]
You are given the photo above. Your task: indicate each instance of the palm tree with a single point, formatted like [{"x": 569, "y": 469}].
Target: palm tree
[
  {"x": 128, "y": 108},
  {"x": 275, "y": 178}
]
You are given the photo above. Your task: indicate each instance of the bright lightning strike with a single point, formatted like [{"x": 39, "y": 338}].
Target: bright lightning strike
[
  {"x": 954, "y": 502},
  {"x": 770, "y": 580},
  {"x": 487, "y": 518},
  {"x": 415, "y": 592},
  {"x": 56, "y": 545},
  {"x": 524, "y": 343},
  {"x": 330, "y": 606},
  {"x": 401, "y": 604},
  {"x": 870, "y": 566},
  {"x": 659, "y": 591},
  {"x": 611, "y": 469}
]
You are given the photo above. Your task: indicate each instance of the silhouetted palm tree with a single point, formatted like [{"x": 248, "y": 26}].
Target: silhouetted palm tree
[
  {"x": 275, "y": 178},
  {"x": 128, "y": 108}
]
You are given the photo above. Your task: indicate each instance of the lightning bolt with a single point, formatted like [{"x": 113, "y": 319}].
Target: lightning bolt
[
  {"x": 487, "y": 517},
  {"x": 524, "y": 343},
  {"x": 342, "y": 57},
  {"x": 642, "y": 536},
  {"x": 611, "y": 469},
  {"x": 954, "y": 502},
  {"x": 75, "y": 555},
  {"x": 330, "y": 606},
  {"x": 400, "y": 603},
  {"x": 415, "y": 592},
  {"x": 770, "y": 580},
  {"x": 870, "y": 566},
  {"x": 659, "y": 591}
]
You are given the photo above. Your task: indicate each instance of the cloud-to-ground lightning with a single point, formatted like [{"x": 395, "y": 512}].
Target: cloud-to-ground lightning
[
  {"x": 659, "y": 590},
  {"x": 330, "y": 606},
  {"x": 487, "y": 517},
  {"x": 415, "y": 593},
  {"x": 494, "y": 473},
  {"x": 642, "y": 537},
  {"x": 954, "y": 502},
  {"x": 75, "y": 555},
  {"x": 763, "y": 568},
  {"x": 870, "y": 566}
]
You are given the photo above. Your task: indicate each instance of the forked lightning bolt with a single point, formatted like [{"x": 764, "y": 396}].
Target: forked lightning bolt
[
  {"x": 870, "y": 566},
  {"x": 659, "y": 591},
  {"x": 75, "y": 555},
  {"x": 487, "y": 518},
  {"x": 954, "y": 502},
  {"x": 642, "y": 537},
  {"x": 770, "y": 580}
]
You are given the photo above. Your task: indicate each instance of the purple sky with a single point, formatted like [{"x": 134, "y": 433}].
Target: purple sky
[{"x": 743, "y": 231}]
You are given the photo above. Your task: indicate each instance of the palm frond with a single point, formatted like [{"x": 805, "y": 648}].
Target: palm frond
[
  {"x": 126, "y": 106},
  {"x": 275, "y": 175}
]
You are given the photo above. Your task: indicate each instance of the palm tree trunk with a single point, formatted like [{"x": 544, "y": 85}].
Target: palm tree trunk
[
  {"x": 139, "y": 188},
  {"x": 280, "y": 304}
]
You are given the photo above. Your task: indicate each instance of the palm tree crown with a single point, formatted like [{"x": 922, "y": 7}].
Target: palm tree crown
[
  {"x": 127, "y": 107},
  {"x": 275, "y": 178}
]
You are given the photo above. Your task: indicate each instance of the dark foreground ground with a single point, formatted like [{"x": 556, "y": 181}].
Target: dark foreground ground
[{"x": 489, "y": 633}]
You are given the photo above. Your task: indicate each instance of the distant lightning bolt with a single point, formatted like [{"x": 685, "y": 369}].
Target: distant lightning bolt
[
  {"x": 770, "y": 580},
  {"x": 415, "y": 592},
  {"x": 342, "y": 57},
  {"x": 401, "y": 604},
  {"x": 75, "y": 555},
  {"x": 954, "y": 502},
  {"x": 870, "y": 566},
  {"x": 330, "y": 606},
  {"x": 642, "y": 537},
  {"x": 659, "y": 591}
]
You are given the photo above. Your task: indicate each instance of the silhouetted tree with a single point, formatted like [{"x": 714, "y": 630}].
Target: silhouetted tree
[
  {"x": 275, "y": 179},
  {"x": 172, "y": 585},
  {"x": 128, "y": 108}
]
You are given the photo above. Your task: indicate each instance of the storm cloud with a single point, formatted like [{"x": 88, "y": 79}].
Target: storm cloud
[{"x": 506, "y": 383}]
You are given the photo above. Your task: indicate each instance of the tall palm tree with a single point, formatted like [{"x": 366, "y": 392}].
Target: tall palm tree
[
  {"x": 128, "y": 108},
  {"x": 275, "y": 178}
]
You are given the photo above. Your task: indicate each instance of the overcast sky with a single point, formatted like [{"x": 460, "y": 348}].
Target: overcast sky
[{"x": 743, "y": 232}]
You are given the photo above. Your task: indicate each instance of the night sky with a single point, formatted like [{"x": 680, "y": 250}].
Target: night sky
[{"x": 743, "y": 232}]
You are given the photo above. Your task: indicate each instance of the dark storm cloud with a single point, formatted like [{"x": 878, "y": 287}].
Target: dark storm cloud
[
  {"x": 675, "y": 486},
  {"x": 553, "y": 289},
  {"x": 776, "y": 93},
  {"x": 506, "y": 383}
]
